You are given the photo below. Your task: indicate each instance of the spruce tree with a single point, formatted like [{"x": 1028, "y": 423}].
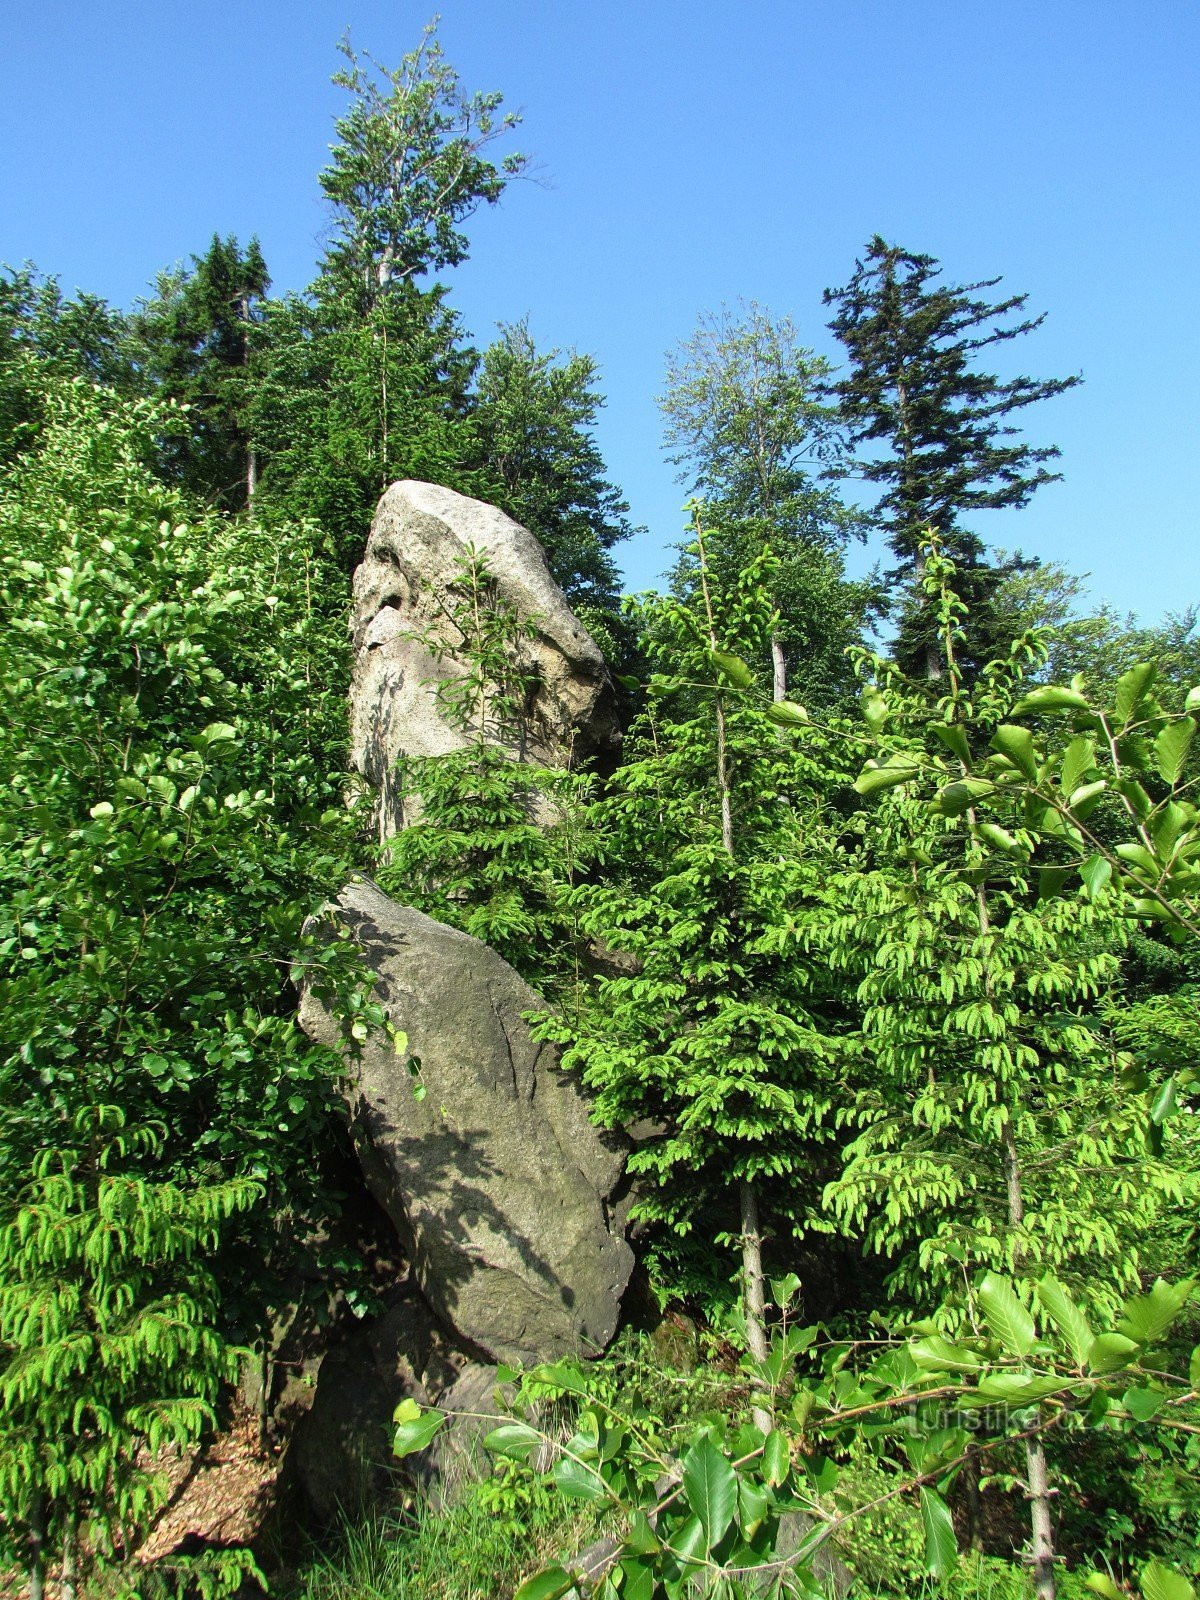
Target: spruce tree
[
  {"x": 914, "y": 388},
  {"x": 194, "y": 341},
  {"x": 536, "y": 412}
]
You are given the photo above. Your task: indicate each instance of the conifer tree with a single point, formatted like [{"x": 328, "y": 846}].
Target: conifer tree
[
  {"x": 711, "y": 1032},
  {"x": 536, "y": 412},
  {"x": 491, "y": 839},
  {"x": 914, "y": 388},
  {"x": 194, "y": 341}
]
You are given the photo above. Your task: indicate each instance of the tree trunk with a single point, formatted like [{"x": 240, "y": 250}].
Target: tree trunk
[
  {"x": 1038, "y": 1479},
  {"x": 1037, "y": 1475},
  {"x": 753, "y": 1292},
  {"x": 70, "y": 1560},
  {"x": 37, "y": 1548},
  {"x": 251, "y": 474},
  {"x": 778, "y": 670}
]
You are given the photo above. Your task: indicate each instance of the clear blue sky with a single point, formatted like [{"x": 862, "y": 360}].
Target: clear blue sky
[{"x": 695, "y": 151}]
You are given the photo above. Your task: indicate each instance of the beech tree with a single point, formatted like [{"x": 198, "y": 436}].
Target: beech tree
[
  {"x": 749, "y": 424},
  {"x": 950, "y": 450},
  {"x": 409, "y": 166}
]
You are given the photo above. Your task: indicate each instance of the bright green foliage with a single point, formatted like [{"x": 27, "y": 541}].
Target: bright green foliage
[
  {"x": 708, "y": 1032},
  {"x": 699, "y": 1505},
  {"x": 913, "y": 387},
  {"x": 193, "y": 342},
  {"x": 535, "y": 414},
  {"x": 495, "y": 839},
  {"x": 751, "y": 429},
  {"x": 995, "y": 1128},
  {"x": 44, "y": 336},
  {"x": 172, "y": 809},
  {"x": 409, "y": 165},
  {"x": 347, "y": 402},
  {"x": 364, "y": 380},
  {"x": 108, "y": 1346}
]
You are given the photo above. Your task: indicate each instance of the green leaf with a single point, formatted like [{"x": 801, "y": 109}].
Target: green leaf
[
  {"x": 1142, "y": 1404},
  {"x": 1146, "y": 1317},
  {"x": 577, "y": 1481},
  {"x": 784, "y": 1290},
  {"x": 710, "y": 1484},
  {"x": 959, "y": 796},
  {"x": 936, "y": 1354},
  {"x": 874, "y": 778},
  {"x": 1079, "y": 759},
  {"x": 776, "y": 1458},
  {"x": 990, "y": 833},
  {"x": 1103, "y": 1585},
  {"x": 1049, "y": 697},
  {"x": 637, "y": 1579},
  {"x": 512, "y": 1440},
  {"x": 787, "y": 714},
  {"x": 641, "y": 1536},
  {"x": 549, "y": 1584},
  {"x": 1163, "y": 1583},
  {"x": 1017, "y": 1389},
  {"x": 1171, "y": 748},
  {"x": 733, "y": 668},
  {"x": 1112, "y": 1351},
  {"x": 1192, "y": 703},
  {"x": 1066, "y": 1317},
  {"x": 1006, "y": 1316},
  {"x": 953, "y": 736},
  {"x": 216, "y": 733},
  {"x": 416, "y": 1427},
  {"x": 1017, "y": 745},
  {"x": 753, "y": 1505},
  {"x": 875, "y": 708},
  {"x": 941, "y": 1547},
  {"x": 1131, "y": 690},
  {"x": 690, "y": 1542},
  {"x": 1095, "y": 872},
  {"x": 1163, "y": 1103}
]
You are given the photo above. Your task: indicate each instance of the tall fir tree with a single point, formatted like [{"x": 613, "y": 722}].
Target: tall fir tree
[
  {"x": 194, "y": 340},
  {"x": 914, "y": 388},
  {"x": 536, "y": 412}
]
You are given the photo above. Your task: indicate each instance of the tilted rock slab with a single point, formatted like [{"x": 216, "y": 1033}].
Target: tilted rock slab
[
  {"x": 404, "y": 644},
  {"x": 498, "y": 1184}
]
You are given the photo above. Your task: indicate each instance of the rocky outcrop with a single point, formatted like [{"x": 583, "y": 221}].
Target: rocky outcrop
[
  {"x": 340, "y": 1457},
  {"x": 499, "y": 1186},
  {"x": 405, "y": 645}
]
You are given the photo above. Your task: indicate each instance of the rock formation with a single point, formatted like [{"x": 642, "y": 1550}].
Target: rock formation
[
  {"x": 505, "y": 1198},
  {"x": 497, "y": 1183},
  {"x": 404, "y": 644}
]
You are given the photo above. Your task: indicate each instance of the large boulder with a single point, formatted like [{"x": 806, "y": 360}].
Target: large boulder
[
  {"x": 498, "y": 1184},
  {"x": 405, "y": 644}
]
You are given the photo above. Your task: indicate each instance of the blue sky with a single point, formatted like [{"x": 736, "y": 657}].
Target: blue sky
[{"x": 690, "y": 154}]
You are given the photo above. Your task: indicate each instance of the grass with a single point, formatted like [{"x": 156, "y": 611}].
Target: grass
[{"x": 470, "y": 1552}]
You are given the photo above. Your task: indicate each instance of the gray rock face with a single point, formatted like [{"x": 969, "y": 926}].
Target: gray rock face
[
  {"x": 497, "y": 1183},
  {"x": 404, "y": 643},
  {"x": 340, "y": 1456}
]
